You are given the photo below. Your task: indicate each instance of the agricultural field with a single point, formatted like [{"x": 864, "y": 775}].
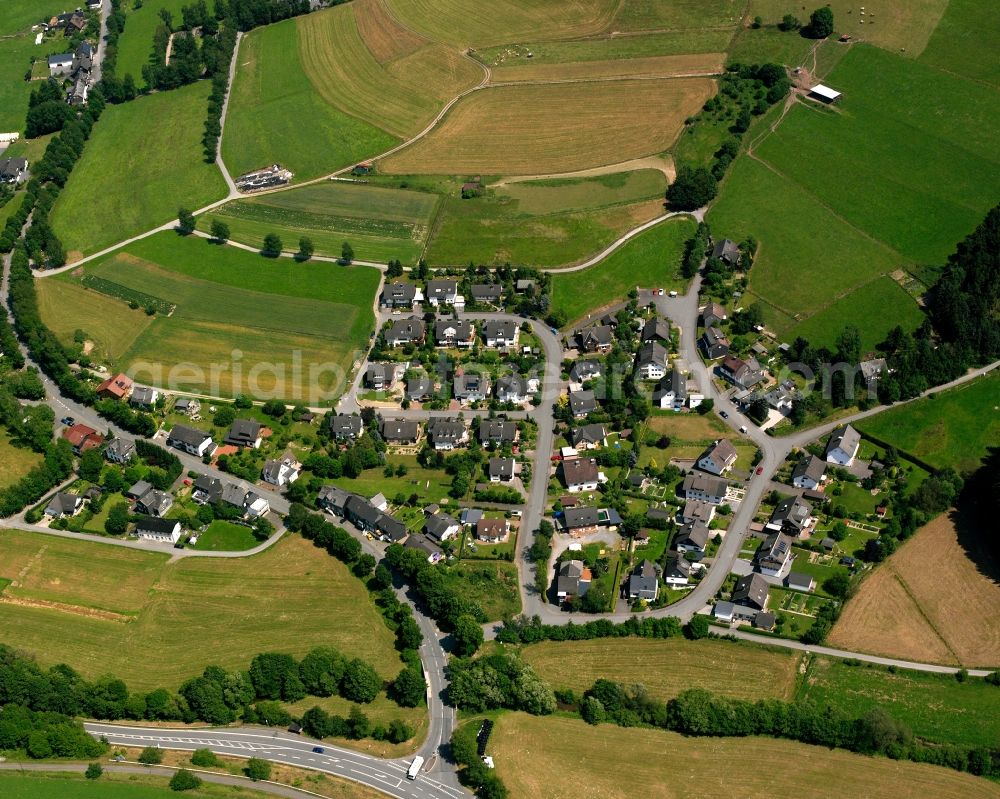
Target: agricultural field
[
  {"x": 528, "y": 130},
  {"x": 544, "y": 222},
  {"x": 895, "y": 150},
  {"x": 952, "y": 429},
  {"x": 15, "y": 462},
  {"x": 562, "y": 757},
  {"x": 650, "y": 259},
  {"x": 136, "y": 42},
  {"x": 935, "y": 706},
  {"x": 944, "y": 615},
  {"x": 142, "y": 162},
  {"x": 641, "y": 15},
  {"x": 273, "y": 314},
  {"x": 276, "y": 115},
  {"x": 461, "y": 22},
  {"x": 667, "y": 667},
  {"x": 105, "y": 609},
  {"x": 768, "y": 44},
  {"x": 400, "y": 96},
  {"x": 110, "y": 786},
  {"x": 17, "y": 49},
  {"x": 381, "y": 224},
  {"x": 107, "y": 323},
  {"x": 964, "y": 42},
  {"x": 666, "y": 66}
]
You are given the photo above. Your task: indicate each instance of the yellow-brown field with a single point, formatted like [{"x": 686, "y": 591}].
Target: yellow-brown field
[
  {"x": 666, "y": 66},
  {"x": 523, "y": 130}
]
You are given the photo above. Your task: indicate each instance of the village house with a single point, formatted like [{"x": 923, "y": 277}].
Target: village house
[
  {"x": 188, "y": 406},
  {"x": 333, "y": 499},
  {"x": 582, "y": 403},
  {"x": 446, "y": 434},
  {"x": 872, "y": 370},
  {"x": 692, "y": 539},
  {"x": 400, "y": 432},
  {"x": 728, "y": 252},
  {"x": 500, "y": 333},
  {"x": 580, "y": 474},
  {"x": 651, "y": 361},
  {"x": 471, "y": 387},
  {"x": 144, "y": 397},
  {"x": 713, "y": 343},
  {"x": 656, "y": 329},
  {"x": 120, "y": 450},
  {"x": 774, "y": 556},
  {"x": 572, "y": 580},
  {"x": 600, "y": 338},
  {"x": 718, "y": 458},
  {"x": 442, "y": 292},
  {"x": 501, "y": 470},
  {"x": 792, "y": 516},
  {"x": 497, "y": 431},
  {"x": 441, "y": 526},
  {"x": 677, "y": 570},
  {"x": 750, "y": 596},
  {"x": 118, "y": 387},
  {"x": 713, "y": 315},
  {"x": 512, "y": 388},
  {"x": 584, "y": 370},
  {"x": 744, "y": 374},
  {"x": 705, "y": 489},
  {"x": 346, "y": 427},
  {"x": 524, "y": 285},
  {"x": 401, "y": 295},
  {"x": 281, "y": 471},
  {"x": 13, "y": 170},
  {"x": 695, "y": 510},
  {"x": 459, "y": 333},
  {"x": 194, "y": 442},
  {"x": 163, "y": 531},
  {"x": 60, "y": 65},
  {"x": 643, "y": 582},
  {"x": 589, "y": 436},
  {"x": 64, "y": 505},
  {"x": 390, "y": 528},
  {"x": 405, "y": 331},
  {"x": 154, "y": 503},
  {"x": 798, "y": 581},
  {"x": 581, "y": 521},
  {"x": 362, "y": 514},
  {"x": 206, "y": 490},
  {"x": 419, "y": 389},
  {"x": 424, "y": 545},
  {"x": 672, "y": 393},
  {"x": 492, "y": 531},
  {"x": 809, "y": 472},
  {"x": 380, "y": 376},
  {"x": 82, "y": 438},
  {"x": 842, "y": 448},
  {"x": 487, "y": 293},
  {"x": 83, "y": 58},
  {"x": 244, "y": 433}
]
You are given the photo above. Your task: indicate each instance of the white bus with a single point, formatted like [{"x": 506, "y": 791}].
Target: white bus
[{"x": 415, "y": 766}]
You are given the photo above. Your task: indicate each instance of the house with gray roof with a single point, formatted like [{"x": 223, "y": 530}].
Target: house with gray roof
[
  {"x": 333, "y": 499},
  {"x": 582, "y": 403},
  {"x": 497, "y": 431},
  {"x": 487, "y": 293},
  {"x": 656, "y": 329},
  {"x": 599, "y": 338},
  {"x": 713, "y": 343},
  {"x": 194, "y": 442},
  {"x": 120, "y": 450},
  {"x": 809, "y": 472},
  {"x": 582, "y": 521},
  {"x": 512, "y": 388},
  {"x": 842, "y": 448},
  {"x": 651, "y": 361},
  {"x": 154, "y": 503},
  {"x": 585, "y": 369},
  {"x": 572, "y": 580},
  {"x": 423, "y": 544},
  {"x": 64, "y": 505},
  {"x": 441, "y": 526},
  {"x": 400, "y": 295},
  {"x": 419, "y": 388},
  {"x": 380, "y": 376},
  {"x": 244, "y": 433},
  {"x": 13, "y": 170},
  {"x": 589, "y": 436},
  {"x": 442, "y": 292},
  {"x": 750, "y": 592},
  {"x": 677, "y": 570},
  {"x": 500, "y": 333},
  {"x": 692, "y": 539},
  {"x": 501, "y": 470},
  {"x": 713, "y": 314},
  {"x": 152, "y": 528},
  {"x": 774, "y": 556},
  {"x": 459, "y": 333},
  {"x": 399, "y": 431},
  {"x": 446, "y": 434},
  {"x": 346, "y": 426},
  {"x": 727, "y": 251},
  {"x": 704, "y": 488},
  {"x": 471, "y": 387},
  {"x": 791, "y": 516},
  {"x": 405, "y": 331},
  {"x": 643, "y": 582},
  {"x": 718, "y": 458}
]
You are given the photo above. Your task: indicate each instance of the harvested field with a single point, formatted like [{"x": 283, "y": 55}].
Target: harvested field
[
  {"x": 668, "y": 667},
  {"x": 946, "y": 614},
  {"x": 384, "y": 37},
  {"x": 667, "y": 66},
  {"x": 635, "y": 15},
  {"x": 563, "y": 758},
  {"x": 554, "y": 128},
  {"x": 400, "y": 97}
]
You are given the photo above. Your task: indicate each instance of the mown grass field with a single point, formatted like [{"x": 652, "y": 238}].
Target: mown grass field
[
  {"x": 108, "y": 323},
  {"x": 678, "y": 14},
  {"x": 953, "y": 428},
  {"x": 222, "y": 536},
  {"x": 462, "y": 23},
  {"x": 401, "y": 96},
  {"x": 381, "y": 224},
  {"x": 19, "y": 15},
  {"x": 557, "y": 195},
  {"x": 277, "y": 116},
  {"x": 17, "y": 49},
  {"x": 650, "y": 260},
  {"x": 142, "y": 162},
  {"x": 964, "y": 42},
  {"x": 136, "y": 42},
  {"x": 908, "y": 611},
  {"x": 110, "y": 786},
  {"x": 935, "y": 706},
  {"x": 905, "y": 142},
  {"x": 564, "y": 758},
  {"x": 266, "y": 602},
  {"x": 15, "y": 462},
  {"x": 271, "y": 313},
  {"x": 668, "y": 667},
  {"x": 526, "y": 130},
  {"x": 666, "y": 66},
  {"x": 431, "y": 485}
]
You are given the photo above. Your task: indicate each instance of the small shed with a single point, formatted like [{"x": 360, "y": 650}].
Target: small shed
[
  {"x": 824, "y": 94},
  {"x": 724, "y": 611}
]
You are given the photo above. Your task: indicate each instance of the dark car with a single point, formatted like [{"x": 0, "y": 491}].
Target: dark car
[
  {"x": 69, "y": 421},
  {"x": 724, "y": 414},
  {"x": 318, "y": 750}
]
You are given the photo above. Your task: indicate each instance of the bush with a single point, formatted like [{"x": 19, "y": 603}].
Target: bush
[
  {"x": 692, "y": 188},
  {"x": 184, "y": 780},
  {"x": 257, "y": 769},
  {"x": 204, "y": 758},
  {"x": 94, "y": 771},
  {"x": 151, "y": 756}
]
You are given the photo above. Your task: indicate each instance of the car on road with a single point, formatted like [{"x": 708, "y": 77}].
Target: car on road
[
  {"x": 743, "y": 428},
  {"x": 318, "y": 750},
  {"x": 724, "y": 414},
  {"x": 760, "y": 470},
  {"x": 69, "y": 421}
]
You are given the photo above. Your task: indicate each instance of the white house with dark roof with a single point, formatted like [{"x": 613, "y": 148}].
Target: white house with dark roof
[
  {"x": 512, "y": 388},
  {"x": 500, "y": 333},
  {"x": 281, "y": 471},
  {"x": 584, "y": 370},
  {"x": 704, "y": 488},
  {"x": 582, "y": 403},
  {"x": 60, "y": 64},
  {"x": 471, "y": 387},
  {"x": 446, "y": 434},
  {"x": 501, "y": 470},
  {"x": 442, "y": 292},
  {"x": 842, "y": 448},
  {"x": 401, "y": 295},
  {"x": 13, "y": 170},
  {"x": 194, "y": 442},
  {"x": 643, "y": 582},
  {"x": 651, "y": 361},
  {"x": 713, "y": 343},
  {"x": 599, "y": 338},
  {"x": 589, "y": 436},
  {"x": 346, "y": 427},
  {"x": 718, "y": 458},
  {"x": 677, "y": 571},
  {"x": 727, "y": 251},
  {"x": 486, "y": 293},
  {"x": 399, "y": 431},
  {"x": 163, "y": 531},
  {"x": 380, "y": 376},
  {"x": 809, "y": 472},
  {"x": 405, "y": 331},
  {"x": 460, "y": 333},
  {"x": 774, "y": 556},
  {"x": 441, "y": 526},
  {"x": 244, "y": 433},
  {"x": 120, "y": 450},
  {"x": 497, "y": 431},
  {"x": 64, "y": 504},
  {"x": 580, "y": 474},
  {"x": 692, "y": 538}
]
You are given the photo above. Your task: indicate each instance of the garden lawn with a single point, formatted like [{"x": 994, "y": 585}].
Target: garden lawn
[
  {"x": 935, "y": 706},
  {"x": 17, "y": 49},
  {"x": 559, "y": 757},
  {"x": 266, "y": 602},
  {"x": 965, "y": 42},
  {"x": 648, "y": 260},
  {"x": 136, "y": 42},
  {"x": 492, "y": 584},
  {"x": 143, "y": 161},
  {"x": 276, "y": 115},
  {"x": 381, "y": 224},
  {"x": 430, "y": 485},
  {"x": 668, "y": 667},
  {"x": 952, "y": 429},
  {"x": 223, "y": 536},
  {"x": 15, "y": 462}
]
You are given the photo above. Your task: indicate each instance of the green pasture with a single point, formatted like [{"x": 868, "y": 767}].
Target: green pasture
[
  {"x": 965, "y": 42},
  {"x": 223, "y": 536},
  {"x": 135, "y": 45},
  {"x": 17, "y": 49}
]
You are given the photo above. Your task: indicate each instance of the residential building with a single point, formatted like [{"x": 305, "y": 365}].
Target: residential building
[
  {"x": 798, "y": 581},
  {"x": 470, "y": 516},
  {"x": 117, "y": 388},
  {"x": 695, "y": 510},
  {"x": 194, "y": 442},
  {"x": 582, "y": 521},
  {"x": 677, "y": 570},
  {"x": 500, "y": 333},
  {"x": 774, "y": 556},
  {"x": 492, "y": 531},
  {"x": 582, "y": 403},
  {"x": 842, "y": 448},
  {"x": 400, "y": 432},
  {"x": 333, "y": 499},
  {"x": 580, "y": 474},
  {"x": 572, "y": 580},
  {"x": 471, "y": 387},
  {"x": 138, "y": 489},
  {"x": 524, "y": 285},
  {"x": 728, "y": 252},
  {"x": 584, "y": 370},
  {"x": 401, "y": 295},
  {"x": 244, "y": 433},
  {"x": 672, "y": 392},
  {"x": 692, "y": 539},
  {"x": 744, "y": 374},
  {"x": 189, "y": 406},
  {"x": 501, "y": 470},
  {"x": 459, "y": 333},
  {"x": 81, "y": 438},
  {"x": 872, "y": 370},
  {"x": 13, "y": 170},
  {"x": 599, "y": 338},
  {"x": 442, "y": 292},
  {"x": 656, "y": 329},
  {"x": 792, "y": 516},
  {"x": 423, "y": 544},
  {"x": 380, "y": 376},
  {"x": 120, "y": 450},
  {"x": 713, "y": 343},
  {"x": 446, "y": 434},
  {"x": 281, "y": 471},
  {"x": 718, "y": 458},
  {"x": 391, "y": 529},
  {"x": 750, "y": 592},
  {"x": 589, "y": 436},
  {"x": 206, "y": 490},
  {"x": 487, "y": 293},
  {"x": 77, "y": 95},
  {"x": 411, "y": 330},
  {"x": 651, "y": 361},
  {"x": 152, "y": 528},
  {"x": 83, "y": 59},
  {"x": 512, "y": 388},
  {"x": 497, "y": 431},
  {"x": 362, "y": 514},
  {"x": 64, "y": 505},
  {"x": 144, "y": 397},
  {"x": 61, "y": 64},
  {"x": 809, "y": 472},
  {"x": 643, "y": 582},
  {"x": 705, "y": 489},
  {"x": 154, "y": 503},
  {"x": 346, "y": 427},
  {"x": 441, "y": 526},
  {"x": 419, "y": 389},
  {"x": 712, "y": 315}
]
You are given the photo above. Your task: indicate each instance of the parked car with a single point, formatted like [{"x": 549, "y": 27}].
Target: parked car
[
  {"x": 724, "y": 414},
  {"x": 760, "y": 470},
  {"x": 69, "y": 421},
  {"x": 743, "y": 428}
]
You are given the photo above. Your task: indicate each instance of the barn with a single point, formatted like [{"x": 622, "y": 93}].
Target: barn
[{"x": 824, "y": 94}]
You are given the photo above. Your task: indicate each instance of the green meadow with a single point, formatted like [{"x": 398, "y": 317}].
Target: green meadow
[
  {"x": 965, "y": 42},
  {"x": 136, "y": 42}
]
